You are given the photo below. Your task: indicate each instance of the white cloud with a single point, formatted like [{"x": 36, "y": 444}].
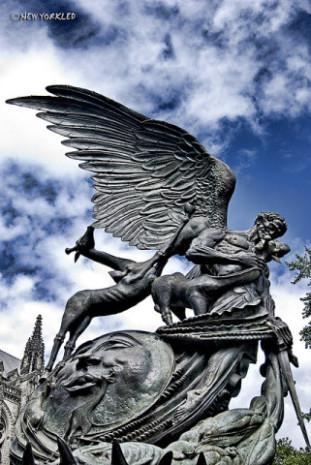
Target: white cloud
[
  {"x": 216, "y": 61},
  {"x": 24, "y": 137}
]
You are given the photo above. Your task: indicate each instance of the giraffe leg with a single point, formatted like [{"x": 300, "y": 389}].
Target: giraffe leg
[
  {"x": 58, "y": 341},
  {"x": 70, "y": 345}
]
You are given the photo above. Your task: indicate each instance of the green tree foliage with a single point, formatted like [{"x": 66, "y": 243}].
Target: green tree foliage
[
  {"x": 302, "y": 265},
  {"x": 286, "y": 454}
]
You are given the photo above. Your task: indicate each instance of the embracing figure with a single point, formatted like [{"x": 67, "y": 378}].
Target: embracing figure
[{"x": 225, "y": 259}]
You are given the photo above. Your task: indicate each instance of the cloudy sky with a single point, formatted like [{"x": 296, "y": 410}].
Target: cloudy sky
[{"x": 236, "y": 74}]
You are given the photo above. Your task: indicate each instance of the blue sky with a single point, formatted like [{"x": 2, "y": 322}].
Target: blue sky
[{"x": 234, "y": 74}]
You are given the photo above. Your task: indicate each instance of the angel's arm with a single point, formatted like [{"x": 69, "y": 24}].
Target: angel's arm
[
  {"x": 202, "y": 250},
  {"x": 204, "y": 254},
  {"x": 191, "y": 232}
]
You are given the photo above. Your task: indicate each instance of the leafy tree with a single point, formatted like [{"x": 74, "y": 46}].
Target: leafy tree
[
  {"x": 302, "y": 265},
  {"x": 286, "y": 454}
]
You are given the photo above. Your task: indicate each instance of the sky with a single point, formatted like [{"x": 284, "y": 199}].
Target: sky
[{"x": 235, "y": 74}]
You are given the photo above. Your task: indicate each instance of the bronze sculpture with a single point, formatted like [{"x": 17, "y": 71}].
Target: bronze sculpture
[
  {"x": 231, "y": 258},
  {"x": 157, "y": 188},
  {"x": 133, "y": 284}
]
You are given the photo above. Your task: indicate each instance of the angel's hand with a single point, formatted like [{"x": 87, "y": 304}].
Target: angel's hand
[
  {"x": 132, "y": 267},
  {"x": 250, "y": 260},
  {"x": 139, "y": 270},
  {"x": 134, "y": 272}
]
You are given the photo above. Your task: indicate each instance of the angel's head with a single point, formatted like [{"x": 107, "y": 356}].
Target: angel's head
[{"x": 268, "y": 226}]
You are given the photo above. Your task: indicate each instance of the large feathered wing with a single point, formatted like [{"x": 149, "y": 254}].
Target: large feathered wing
[{"x": 144, "y": 171}]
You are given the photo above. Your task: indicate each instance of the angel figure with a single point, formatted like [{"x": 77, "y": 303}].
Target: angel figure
[
  {"x": 156, "y": 187},
  {"x": 146, "y": 174}
]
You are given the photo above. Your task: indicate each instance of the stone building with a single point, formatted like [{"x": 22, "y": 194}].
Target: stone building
[{"x": 18, "y": 379}]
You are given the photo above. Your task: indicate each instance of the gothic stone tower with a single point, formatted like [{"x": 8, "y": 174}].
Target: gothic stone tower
[{"x": 18, "y": 379}]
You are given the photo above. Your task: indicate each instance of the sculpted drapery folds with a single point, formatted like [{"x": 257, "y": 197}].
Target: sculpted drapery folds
[{"x": 156, "y": 187}]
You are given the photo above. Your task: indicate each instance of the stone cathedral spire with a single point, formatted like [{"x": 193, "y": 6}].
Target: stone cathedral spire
[
  {"x": 33, "y": 359},
  {"x": 18, "y": 380}
]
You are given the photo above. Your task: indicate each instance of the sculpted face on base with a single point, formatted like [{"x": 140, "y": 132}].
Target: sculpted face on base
[
  {"x": 106, "y": 382},
  {"x": 94, "y": 364}
]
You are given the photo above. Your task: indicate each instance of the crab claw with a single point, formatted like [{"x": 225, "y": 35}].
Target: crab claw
[
  {"x": 117, "y": 457},
  {"x": 65, "y": 454},
  {"x": 166, "y": 459},
  {"x": 28, "y": 455},
  {"x": 201, "y": 459}
]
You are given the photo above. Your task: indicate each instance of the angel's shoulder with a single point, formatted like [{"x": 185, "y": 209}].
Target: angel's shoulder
[{"x": 211, "y": 236}]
